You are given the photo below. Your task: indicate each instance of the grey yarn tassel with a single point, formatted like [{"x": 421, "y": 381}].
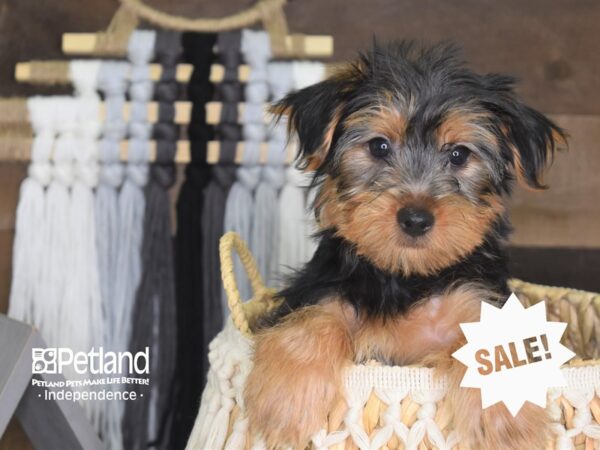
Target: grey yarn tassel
[
  {"x": 154, "y": 300},
  {"x": 112, "y": 82},
  {"x": 146, "y": 420}
]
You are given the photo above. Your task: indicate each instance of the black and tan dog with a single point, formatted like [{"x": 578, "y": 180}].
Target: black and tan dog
[{"x": 414, "y": 156}]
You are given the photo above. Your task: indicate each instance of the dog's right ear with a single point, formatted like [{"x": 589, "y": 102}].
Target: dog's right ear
[{"x": 314, "y": 113}]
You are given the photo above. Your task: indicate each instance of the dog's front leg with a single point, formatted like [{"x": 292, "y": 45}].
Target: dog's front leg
[
  {"x": 297, "y": 373},
  {"x": 493, "y": 428}
]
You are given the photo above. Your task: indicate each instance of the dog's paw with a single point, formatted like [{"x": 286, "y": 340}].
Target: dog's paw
[
  {"x": 502, "y": 431},
  {"x": 495, "y": 428},
  {"x": 286, "y": 405}
]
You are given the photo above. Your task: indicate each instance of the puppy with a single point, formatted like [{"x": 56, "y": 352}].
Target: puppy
[{"x": 413, "y": 156}]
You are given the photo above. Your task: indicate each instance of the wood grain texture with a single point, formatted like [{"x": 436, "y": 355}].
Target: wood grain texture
[
  {"x": 11, "y": 176},
  {"x": 551, "y": 45},
  {"x": 568, "y": 213}
]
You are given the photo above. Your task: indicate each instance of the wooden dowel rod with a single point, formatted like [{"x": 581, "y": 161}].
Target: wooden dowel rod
[
  {"x": 19, "y": 150},
  {"x": 312, "y": 46},
  {"x": 57, "y": 72},
  {"x": 14, "y": 111},
  {"x": 214, "y": 109}
]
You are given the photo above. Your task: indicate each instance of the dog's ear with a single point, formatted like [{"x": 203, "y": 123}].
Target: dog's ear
[
  {"x": 314, "y": 113},
  {"x": 533, "y": 139},
  {"x": 530, "y": 136}
]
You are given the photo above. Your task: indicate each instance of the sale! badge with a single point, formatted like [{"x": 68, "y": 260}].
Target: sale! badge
[{"x": 513, "y": 354}]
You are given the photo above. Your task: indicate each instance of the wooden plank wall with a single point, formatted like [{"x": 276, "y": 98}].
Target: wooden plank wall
[{"x": 551, "y": 45}]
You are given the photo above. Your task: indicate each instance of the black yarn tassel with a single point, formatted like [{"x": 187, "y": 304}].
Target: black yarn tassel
[
  {"x": 191, "y": 367},
  {"x": 154, "y": 309},
  {"x": 215, "y": 194},
  {"x": 213, "y": 218}
]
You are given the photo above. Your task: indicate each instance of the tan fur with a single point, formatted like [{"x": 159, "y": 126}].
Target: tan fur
[
  {"x": 462, "y": 126},
  {"x": 296, "y": 375},
  {"x": 493, "y": 428},
  {"x": 382, "y": 120},
  {"x": 296, "y": 378},
  {"x": 460, "y": 227},
  {"x": 430, "y": 326}
]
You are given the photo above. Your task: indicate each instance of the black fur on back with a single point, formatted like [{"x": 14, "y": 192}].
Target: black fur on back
[{"x": 337, "y": 270}]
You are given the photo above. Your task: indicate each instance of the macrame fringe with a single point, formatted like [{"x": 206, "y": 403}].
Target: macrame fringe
[
  {"x": 31, "y": 227},
  {"x": 82, "y": 296}
]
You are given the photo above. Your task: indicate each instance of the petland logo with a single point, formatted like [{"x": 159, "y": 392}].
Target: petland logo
[{"x": 55, "y": 360}]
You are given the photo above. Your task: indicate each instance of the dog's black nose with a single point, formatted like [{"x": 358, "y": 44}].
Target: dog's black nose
[{"x": 415, "y": 222}]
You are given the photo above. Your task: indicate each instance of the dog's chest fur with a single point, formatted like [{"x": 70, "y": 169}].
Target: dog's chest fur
[
  {"x": 398, "y": 319},
  {"x": 430, "y": 326},
  {"x": 336, "y": 271}
]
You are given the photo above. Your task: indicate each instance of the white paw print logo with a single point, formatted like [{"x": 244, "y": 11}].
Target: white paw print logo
[{"x": 43, "y": 360}]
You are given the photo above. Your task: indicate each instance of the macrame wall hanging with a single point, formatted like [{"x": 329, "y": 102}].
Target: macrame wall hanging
[
  {"x": 113, "y": 84},
  {"x": 96, "y": 201},
  {"x": 146, "y": 420},
  {"x": 191, "y": 369}
]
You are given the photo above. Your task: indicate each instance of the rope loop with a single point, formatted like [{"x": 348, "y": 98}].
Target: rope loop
[
  {"x": 229, "y": 242},
  {"x": 260, "y": 11},
  {"x": 113, "y": 41}
]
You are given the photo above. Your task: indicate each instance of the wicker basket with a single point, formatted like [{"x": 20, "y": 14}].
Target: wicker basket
[{"x": 393, "y": 407}]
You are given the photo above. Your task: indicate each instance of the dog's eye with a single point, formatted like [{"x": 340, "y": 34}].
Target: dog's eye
[
  {"x": 459, "y": 155},
  {"x": 379, "y": 147}
]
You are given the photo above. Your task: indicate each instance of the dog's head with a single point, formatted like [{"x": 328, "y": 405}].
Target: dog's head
[{"x": 414, "y": 153}]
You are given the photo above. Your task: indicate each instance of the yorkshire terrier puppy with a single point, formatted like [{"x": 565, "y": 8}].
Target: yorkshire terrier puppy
[{"x": 413, "y": 156}]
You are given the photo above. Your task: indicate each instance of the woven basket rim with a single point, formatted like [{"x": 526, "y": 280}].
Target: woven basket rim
[
  {"x": 519, "y": 282},
  {"x": 416, "y": 378}
]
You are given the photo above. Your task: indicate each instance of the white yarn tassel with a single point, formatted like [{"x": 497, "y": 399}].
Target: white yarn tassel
[
  {"x": 239, "y": 211},
  {"x": 129, "y": 265},
  {"x": 307, "y": 73},
  {"x": 281, "y": 79},
  {"x": 131, "y": 198},
  {"x": 57, "y": 331},
  {"x": 296, "y": 223},
  {"x": 83, "y": 297},
  {"x": 265, "y": 232},
  {"x": 131, "y": 209},
  {"x": 280, "y": 76},
  {"x": 255, "y": 47},
  {"x": 31, "y": 227},
  {"x": 256, "y": 50}
]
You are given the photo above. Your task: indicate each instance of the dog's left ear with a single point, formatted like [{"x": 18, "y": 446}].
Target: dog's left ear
[
  {"x": 533, "y": 139},
  {"x": 314, "y": 113},
  {"x": 530, "y": 136}
]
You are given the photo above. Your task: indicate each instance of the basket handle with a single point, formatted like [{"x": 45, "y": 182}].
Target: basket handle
[{"x": 232, "y": 241}]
